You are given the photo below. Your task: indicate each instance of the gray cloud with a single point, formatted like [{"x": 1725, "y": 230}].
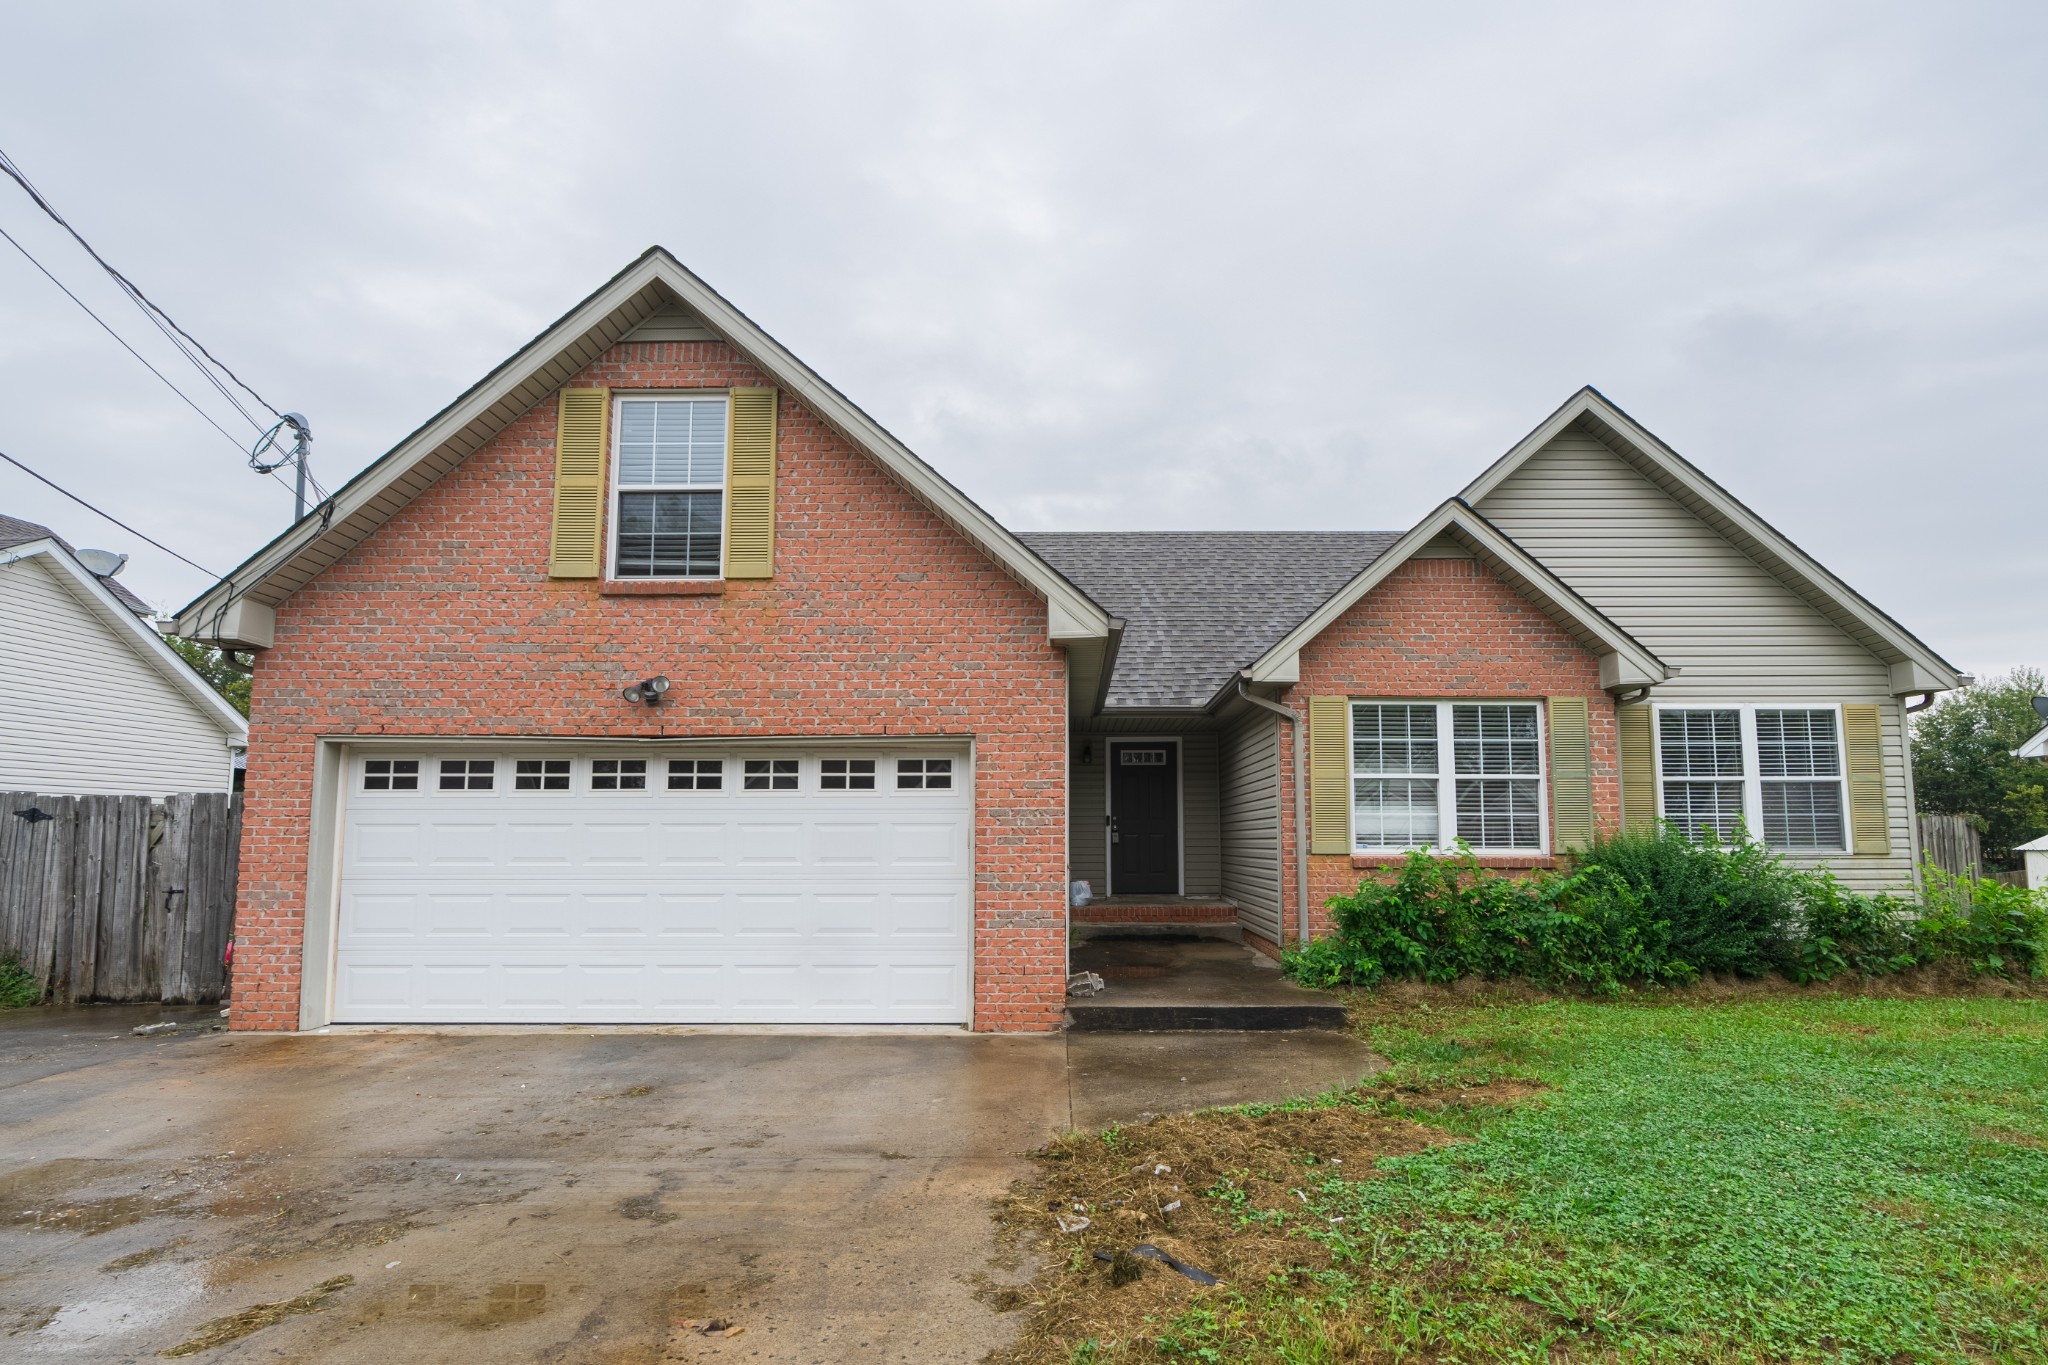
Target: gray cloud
[{"x": 1145, "y": 265}]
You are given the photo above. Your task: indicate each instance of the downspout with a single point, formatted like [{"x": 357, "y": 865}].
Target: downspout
[{"x": 1300, "y": 809}]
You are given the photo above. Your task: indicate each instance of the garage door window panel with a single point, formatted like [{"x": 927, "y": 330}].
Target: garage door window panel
[
  {"x": 540, "y": 775},
  {"x": 924, "y": 774},
  {"x": 847, "y": 774},
  {"x": 618, "y": 774},
  {"x": 696, "y": 774},
  {"x": 468, "y": 774},
  {"x": 769, "y": 775},
  {"x": 391, "y": 775}
]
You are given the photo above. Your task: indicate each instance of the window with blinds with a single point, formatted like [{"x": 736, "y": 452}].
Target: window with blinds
[
  {"x": 1412, "y": 789},
  {"x": 668, "y": 509},
  {"x": 1726, "y": 772}
]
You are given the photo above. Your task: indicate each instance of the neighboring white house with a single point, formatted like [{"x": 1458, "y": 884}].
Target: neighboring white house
[{"x": 91, "y": 698}]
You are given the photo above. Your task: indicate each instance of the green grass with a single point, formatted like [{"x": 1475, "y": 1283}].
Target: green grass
[
  {"x": 1851, "y": 1179},
  {"x": 17, "y": 985}
]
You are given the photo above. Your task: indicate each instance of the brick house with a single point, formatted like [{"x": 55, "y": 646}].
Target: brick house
[{"x": 652, "y": 680}]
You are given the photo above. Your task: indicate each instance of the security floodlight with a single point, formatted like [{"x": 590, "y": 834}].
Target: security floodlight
[{"x": 649, "y": 691}]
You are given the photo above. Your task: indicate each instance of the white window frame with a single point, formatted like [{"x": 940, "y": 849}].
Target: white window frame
[
  {"x": 620, "y": 397},
  {"x": 1447, "y": 777},
  {"x": 1752, "y": 778}
]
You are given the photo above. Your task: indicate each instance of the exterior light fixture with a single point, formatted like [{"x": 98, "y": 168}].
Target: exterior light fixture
[
  {"x": 649, "y": 691},
  {"x": 1087, "y": 754}
]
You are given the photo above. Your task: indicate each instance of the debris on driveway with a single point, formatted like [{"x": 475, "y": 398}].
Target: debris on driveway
[
  {"x": 714, "y": 1327},
  {"x": 151, "y": 1030},
  {"x": 255, "y": 1318}
]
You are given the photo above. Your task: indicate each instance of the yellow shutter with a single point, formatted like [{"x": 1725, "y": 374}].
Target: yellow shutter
[
  {"x": 1571, "y": 774},
  {"x": 1638, "y": 769},
  {"x": 1329, "y": 769},
  {"x": 750, "y": 485},
  {"x": 1863, "y": 748},
  {"x": 576, "y": 550}
]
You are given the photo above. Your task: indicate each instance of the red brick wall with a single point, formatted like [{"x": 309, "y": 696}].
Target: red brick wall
[
  {"x": 1439, "y": 629},
  {"x": 880, "y": 619}
]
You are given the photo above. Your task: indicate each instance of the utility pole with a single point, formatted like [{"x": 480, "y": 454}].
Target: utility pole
[{"x": 301, "y": 451}]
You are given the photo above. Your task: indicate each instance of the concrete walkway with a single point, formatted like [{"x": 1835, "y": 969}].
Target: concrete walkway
[{"x": 568, "y": 1196}]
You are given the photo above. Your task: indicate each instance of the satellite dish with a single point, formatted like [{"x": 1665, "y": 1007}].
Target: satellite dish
[
  {"x": 2041, "y": 707},
  {"x": 103, "y": 563}
]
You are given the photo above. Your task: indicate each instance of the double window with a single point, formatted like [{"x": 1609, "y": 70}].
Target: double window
[
  {"x": 668, "y": 487},
  {"x": 1432, "y": 774},
  {"x": 1778, "y": 770}
]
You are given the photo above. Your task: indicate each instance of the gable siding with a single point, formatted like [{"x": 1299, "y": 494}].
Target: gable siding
[
  {"x": 1251, "y": 822},
  {"x": 81, "y": 712},
  {"x": 1699, "y": 603}
]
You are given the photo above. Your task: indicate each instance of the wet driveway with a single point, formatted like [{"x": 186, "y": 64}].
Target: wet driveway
[{"x": 573, "y": 1196}]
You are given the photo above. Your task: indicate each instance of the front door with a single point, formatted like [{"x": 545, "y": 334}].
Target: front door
[{"x": 1144, "y": 819}]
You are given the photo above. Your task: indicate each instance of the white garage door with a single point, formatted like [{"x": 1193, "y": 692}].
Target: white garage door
[{"x": 656, "y": 886}]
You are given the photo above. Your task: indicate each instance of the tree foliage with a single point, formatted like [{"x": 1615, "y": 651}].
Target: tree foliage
[
  {"x": 1963, "y": 763},
  {"x": 220, "y": 671}
]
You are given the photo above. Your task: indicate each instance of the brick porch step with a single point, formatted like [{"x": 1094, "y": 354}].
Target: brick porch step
[{"x": 1154, "y": 911}]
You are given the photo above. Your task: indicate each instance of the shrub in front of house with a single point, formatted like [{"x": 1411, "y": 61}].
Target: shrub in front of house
[
  {"x": 1655, "y": 908},
  {"x": 18, "y": 988}
]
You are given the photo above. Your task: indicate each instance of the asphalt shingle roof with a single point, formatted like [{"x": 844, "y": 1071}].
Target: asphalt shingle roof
[
  {"x": 1200, "y": 605},
  {"x": 14, "y": 531}
]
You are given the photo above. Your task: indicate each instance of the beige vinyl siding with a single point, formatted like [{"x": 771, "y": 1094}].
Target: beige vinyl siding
[
  {"x": 83, "y": 712},
  {"x": 1087, "y": 831},
  {"x": 1251, "y": 822},
  {"x": 1201, "y": 813},
  {"x": 1699, "y": 603}
]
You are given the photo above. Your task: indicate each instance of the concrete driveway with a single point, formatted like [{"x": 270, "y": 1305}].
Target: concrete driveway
[{"x": 566, "y": 1196}]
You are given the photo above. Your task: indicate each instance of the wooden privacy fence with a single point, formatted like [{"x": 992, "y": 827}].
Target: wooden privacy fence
[
  {"x": 1952, "y": 844},
  {"x": 120, "y": 897}
]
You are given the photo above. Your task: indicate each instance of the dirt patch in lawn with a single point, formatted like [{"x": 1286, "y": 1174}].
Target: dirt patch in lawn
[{"x": 1151, "y": 1183}]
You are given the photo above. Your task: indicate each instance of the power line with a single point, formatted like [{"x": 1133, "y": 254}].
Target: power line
[
  {"x": 144, "y": 361},
  {"x": 204, "y": 415},
  {"x": 149, "y": 307},
  {"x": 116, "y": 520}
]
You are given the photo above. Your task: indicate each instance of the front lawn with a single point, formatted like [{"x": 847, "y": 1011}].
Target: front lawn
[{"x": 1789, "y": 1177}]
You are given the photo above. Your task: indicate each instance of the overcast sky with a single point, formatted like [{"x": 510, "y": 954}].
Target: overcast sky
[{"x": 1106, "y": 266}]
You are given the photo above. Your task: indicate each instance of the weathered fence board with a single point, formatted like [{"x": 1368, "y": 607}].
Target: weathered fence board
[
  {"x": 120, "y": 897},
  {"x": 1952, "y": 844}
]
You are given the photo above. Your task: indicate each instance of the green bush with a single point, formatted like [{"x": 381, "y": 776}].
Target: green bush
[
  {"x": 1656, "y": 909},
  {"x": 1731, "y": 908},
  {"x": 1842, "y": 931},
  {"x": 1988, "y": 925},
  {"x": 17, "y": 984},
  {"x": 1442, "y": 918}
]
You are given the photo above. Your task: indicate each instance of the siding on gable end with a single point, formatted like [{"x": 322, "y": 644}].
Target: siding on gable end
[
  {"x": 81, "y": 713},
  {"x": 1251, "y": 822},
  {"x": 1698, "y": 602}
]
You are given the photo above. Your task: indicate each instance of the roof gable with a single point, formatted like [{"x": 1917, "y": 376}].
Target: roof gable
[
  {"x": 97, "y": 597},
  {"x": 1915, "y": 667},
  {"x": 1624, "y": 663},
  {"x": 658, "y": 299}
]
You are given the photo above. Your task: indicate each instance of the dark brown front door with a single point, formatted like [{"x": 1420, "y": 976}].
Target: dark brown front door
[{"x": 1144, "y": 819}]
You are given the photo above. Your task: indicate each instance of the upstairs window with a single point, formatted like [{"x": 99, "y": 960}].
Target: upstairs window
[{"x": 668, "y": 509}]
